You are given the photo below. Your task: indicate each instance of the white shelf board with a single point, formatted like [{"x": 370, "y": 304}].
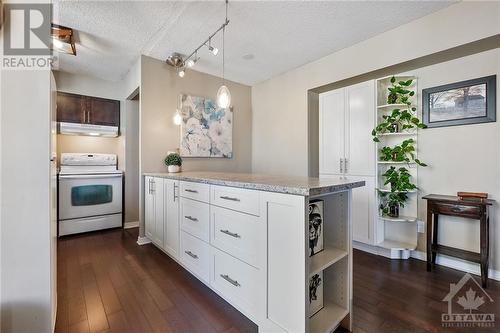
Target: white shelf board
[
  {"x": 399, "y": 219},
  {"x": 389, "y": 191},
  {"x": 325, "y": 259},
  {"x": 328, "y": 318},
  {"x": 394, "y": 162},
  {"x": 398, "y": 77},
  {"x": 398, "y": 134},
  {"x": 395, "y": 106},
  {"x": 396, "y": 245}
]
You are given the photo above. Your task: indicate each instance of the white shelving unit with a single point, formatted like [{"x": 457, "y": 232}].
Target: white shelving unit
[
  {"x": 335, "y": 261},
  {"x": 396, "y": 235}
]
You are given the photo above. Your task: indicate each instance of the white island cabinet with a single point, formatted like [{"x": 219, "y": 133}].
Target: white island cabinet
[{"x": 247, "y": 237}]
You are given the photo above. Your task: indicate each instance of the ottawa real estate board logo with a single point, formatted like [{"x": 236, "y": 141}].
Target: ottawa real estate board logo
[
  {"x": 468, "y": 305},
  {"x": 26, "y": 36}
]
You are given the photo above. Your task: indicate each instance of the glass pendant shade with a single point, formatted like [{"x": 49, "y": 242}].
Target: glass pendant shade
[
  {"x": 223, "y": 97},
  {"x": 177, "y": 118}
]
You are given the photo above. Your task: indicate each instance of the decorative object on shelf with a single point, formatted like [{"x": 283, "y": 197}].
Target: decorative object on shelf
[
  {"x": 405, "y": 152},
  {"x": 62, "y": 39},
  {"x": 472, "y": 196},
  {"x": 390, "y": 202},
  {"x": 400, "y": 184},
  {"x": 398, "y": 121},
  {"x": 173, "y": 162},
  {"x": 460, "y": 103},
  {"x": 206, "y": 129},
  {"x": 181, "y": 63},
  {"x": 315, "y": 293},
  {"x": 316, "y": 237},
  {"x": 399, "y": 92}
]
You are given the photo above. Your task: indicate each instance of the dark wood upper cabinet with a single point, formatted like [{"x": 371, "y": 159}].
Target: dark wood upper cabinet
[{"x": 73, "y": 108}]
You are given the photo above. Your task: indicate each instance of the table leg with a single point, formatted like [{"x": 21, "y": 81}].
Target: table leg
[
  {"x": 434, "y": 235},
  {"x": 484, "y": 236},
  {"x": 429, "y": 239}
]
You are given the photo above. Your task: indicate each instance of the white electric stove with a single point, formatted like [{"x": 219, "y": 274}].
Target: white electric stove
[{"x": 90, "y": 193}]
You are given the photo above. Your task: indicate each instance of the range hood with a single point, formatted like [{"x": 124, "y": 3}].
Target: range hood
[{"x": 88, "y": 129}]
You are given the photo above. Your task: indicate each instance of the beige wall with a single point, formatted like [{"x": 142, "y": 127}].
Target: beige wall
[
  {"x": 280, "y": 135},
  {"x": 132, "y": 178},
  {"x": 160, "y": 88},
  {"x": 90, "y": 86}
]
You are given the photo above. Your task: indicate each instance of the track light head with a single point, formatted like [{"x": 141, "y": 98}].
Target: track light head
[
  {"x": 181, "y": 72},
  {"x": 214, "y": 50},
  {"x": 190, "y": 63}
]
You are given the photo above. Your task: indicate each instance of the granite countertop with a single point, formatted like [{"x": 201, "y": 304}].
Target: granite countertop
[{"x": 306, "y": 186}]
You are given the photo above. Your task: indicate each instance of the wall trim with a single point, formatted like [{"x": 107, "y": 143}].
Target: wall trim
[
  {"x": 143, "y": 240},
  {"x": 380, "y": 251},
  {"x": 129, "y": 225},
  {"x": 458, "y": 264}
]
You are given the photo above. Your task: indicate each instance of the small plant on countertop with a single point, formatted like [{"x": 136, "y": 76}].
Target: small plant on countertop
[
  {"x": 405, "y": 152},
  {"x": 173, "y": 159}
]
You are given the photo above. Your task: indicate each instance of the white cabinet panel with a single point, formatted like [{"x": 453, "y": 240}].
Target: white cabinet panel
[
  {"x": 331, "y": 131},
  {"x": 242, "y": 200},
  {"x": 158, "y": 224},
  {"x": 149, "y": 207},
  {"x": 195, "y": 255},
  {"x": 171, "y": 217},
  {"x": 195, "y": 191},
  {"x": 363, "y": 211},
  {"x": 360, "y": 151},
  {"x": 195, "y": 217}
]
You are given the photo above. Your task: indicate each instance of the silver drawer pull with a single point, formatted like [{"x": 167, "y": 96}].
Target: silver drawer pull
[
  {"x": 194, "y": 219},
  {"x": 189, "y": 190},
  {"x": 228, "y": 279},
  {"x": 191, "y": 254},
  {"x": 229, "y": 198},
  {"x": 227, "y": 232}
]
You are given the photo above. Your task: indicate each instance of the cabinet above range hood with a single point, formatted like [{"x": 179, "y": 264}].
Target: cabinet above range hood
[
  {"x": 88, "y": 129},
  {"x": 87, "y": 115}
]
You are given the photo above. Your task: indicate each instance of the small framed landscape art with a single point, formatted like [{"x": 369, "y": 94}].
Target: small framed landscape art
[
  {"x": 460, "y": 103},
  {"x": 315, "y": 227},
  {"x": 315, "y": 293}
]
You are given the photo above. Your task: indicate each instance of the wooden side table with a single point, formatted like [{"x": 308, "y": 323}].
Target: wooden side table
[{"x": 451, "y": 205}]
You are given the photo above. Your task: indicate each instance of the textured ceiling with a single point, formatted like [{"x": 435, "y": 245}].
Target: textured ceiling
[{"x": 263, "y": 39}]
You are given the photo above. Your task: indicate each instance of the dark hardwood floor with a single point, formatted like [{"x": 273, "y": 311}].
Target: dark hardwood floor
[{"x": 107, "y": 283}]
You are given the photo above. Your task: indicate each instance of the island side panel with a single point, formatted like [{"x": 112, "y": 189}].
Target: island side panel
[{"x": 287, "y": 251}]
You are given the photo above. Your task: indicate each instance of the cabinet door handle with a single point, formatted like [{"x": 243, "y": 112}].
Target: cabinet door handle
[
  {"x": 88, "y": 117},
  {"x": 229, "y": 198},
  {"x": 228, "y": 279},
  {"x": 345, "y": 164},
  {"x": 340, "y": 167},
  {"x": 194, "y": 219},
  {"x": 190, "y": 190},
  {"x": 149, "y": 187},
  {"x": 191, "y": 254},
  {"x": 174, "y": 191},
  {"x": 227, "y": 232},
  {"x": 153, "y": 187}
]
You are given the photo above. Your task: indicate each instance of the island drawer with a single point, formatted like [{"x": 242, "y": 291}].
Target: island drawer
[
  {"x": 239, "y": 234},
  {"x": 195, "y": 218},
  {"x": 235, "y": 280},
  {"x": 242, "y": 200},
  {"x": 195, "y": 191},
  {"x": 195, "y": 255}
]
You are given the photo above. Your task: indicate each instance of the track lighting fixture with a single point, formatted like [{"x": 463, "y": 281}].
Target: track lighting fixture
[
  {"x": 181, "y": 72},
  {"x": 190, "y": 63}
]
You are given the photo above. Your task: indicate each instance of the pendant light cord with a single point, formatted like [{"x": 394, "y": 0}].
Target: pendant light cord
[{"x": 224, "y": 48}]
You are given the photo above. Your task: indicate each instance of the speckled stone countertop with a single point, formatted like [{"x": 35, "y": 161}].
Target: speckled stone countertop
[{"x": 306, "y": 186}]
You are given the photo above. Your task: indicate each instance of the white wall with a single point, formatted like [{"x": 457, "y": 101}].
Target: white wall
[{"x": 279, "y": 132}]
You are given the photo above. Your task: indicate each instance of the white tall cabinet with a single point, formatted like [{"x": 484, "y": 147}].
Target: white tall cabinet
[{"x": 346, "y": 119}]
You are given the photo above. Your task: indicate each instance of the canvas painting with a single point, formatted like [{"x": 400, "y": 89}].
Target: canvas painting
[
  {"x": 315, "y": 227},
  {"x": 315, "y": 293},
  {"x": 206, "y": 129}
]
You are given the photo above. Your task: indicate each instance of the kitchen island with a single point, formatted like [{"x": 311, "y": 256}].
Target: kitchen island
[{"x": 248, "y": 238}]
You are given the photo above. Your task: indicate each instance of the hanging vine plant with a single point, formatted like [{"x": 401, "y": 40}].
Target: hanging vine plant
[{"x": 405, "y": 152}]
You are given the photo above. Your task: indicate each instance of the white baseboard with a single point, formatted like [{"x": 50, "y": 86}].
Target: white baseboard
[
  {"x": 458, "y": 264},
  {"x": 129, "y": 225},
  {"x": 380, "y": 251},
  {"x": 143, "y": 240}
]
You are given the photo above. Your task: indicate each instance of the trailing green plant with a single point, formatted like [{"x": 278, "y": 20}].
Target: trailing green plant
[
  {"x": 390, "y": 200},
  {"x": 399, "y": 93},
  {"x": 405, "y": 152},
  {"x": 173, "y": 159},
  {"x": 398, "y": 179},
  {"x": 398, "y": 120}
]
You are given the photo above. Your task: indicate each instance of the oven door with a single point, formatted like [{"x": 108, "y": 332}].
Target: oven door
[{"x": 89, "y": 195}]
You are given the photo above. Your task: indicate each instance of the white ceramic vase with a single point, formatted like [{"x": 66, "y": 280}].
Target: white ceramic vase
[{"x": 173, "y": 168}]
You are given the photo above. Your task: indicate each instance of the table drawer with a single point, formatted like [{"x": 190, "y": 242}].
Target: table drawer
[
  {"x": 456, "y": 209},
  {"x": 246, "y": 201},
  {"x": 238, "y": 234},
  {"x": 195, "y": 191},
  {"x": 235, "y": 280},
  {"x": 195, "y": 218},
  {"x": 195, "y": 255}
]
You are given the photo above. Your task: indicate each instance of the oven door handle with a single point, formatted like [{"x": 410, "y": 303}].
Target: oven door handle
[{"x": 108, "y": 175}]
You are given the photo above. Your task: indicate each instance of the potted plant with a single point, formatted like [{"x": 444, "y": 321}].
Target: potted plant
[
  {"x": 391, "y": 202},
  {"x": 400, "y": 184},
  {"x": 405, "y": 152},
  {"x": 173, "y": 161},
  {"x": 398, "y": 120},
  {"x": 399, "y": 92}
]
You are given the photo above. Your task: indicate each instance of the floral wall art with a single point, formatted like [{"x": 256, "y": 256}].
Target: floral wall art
[{"x": 206, "y": 129}]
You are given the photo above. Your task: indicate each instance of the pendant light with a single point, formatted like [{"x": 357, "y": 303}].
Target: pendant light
[{"x": 223, "y": 94}]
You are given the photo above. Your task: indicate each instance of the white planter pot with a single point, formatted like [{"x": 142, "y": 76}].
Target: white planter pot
[{"x": 173, "y": 168}]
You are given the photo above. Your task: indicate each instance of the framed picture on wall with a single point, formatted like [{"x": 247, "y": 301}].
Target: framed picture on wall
[{"x": 460, "y": 103}]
